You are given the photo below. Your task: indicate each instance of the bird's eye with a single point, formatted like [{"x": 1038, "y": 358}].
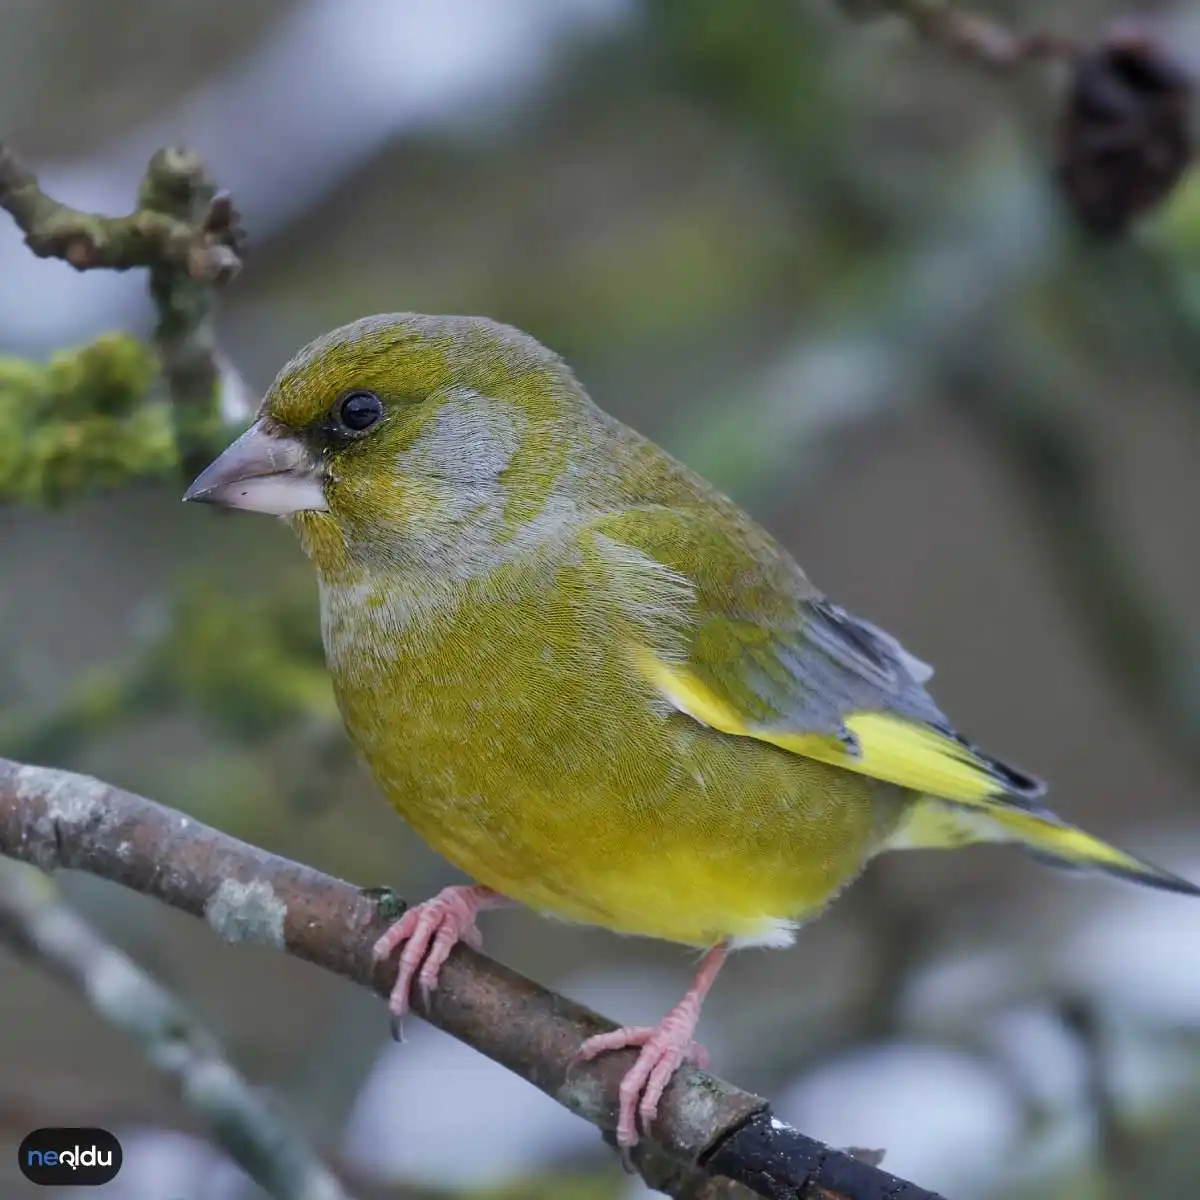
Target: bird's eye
[{"x": 356, "y": 412}]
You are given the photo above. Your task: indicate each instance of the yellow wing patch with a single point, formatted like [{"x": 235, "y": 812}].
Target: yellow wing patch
[
  {"x": 943, "y": 770},
  {"x": 890, "y": 748}
]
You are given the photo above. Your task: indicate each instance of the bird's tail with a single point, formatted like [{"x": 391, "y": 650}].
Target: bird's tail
[{"x": 939, "y": 824}]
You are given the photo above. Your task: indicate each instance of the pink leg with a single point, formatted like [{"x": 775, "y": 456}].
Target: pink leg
[
  {"x": 664, "y": 1047},
  {"x": 430, "y": 931}
]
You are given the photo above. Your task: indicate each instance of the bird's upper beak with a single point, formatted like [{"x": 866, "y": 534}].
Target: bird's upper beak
[{"x": 263, "y": 471}]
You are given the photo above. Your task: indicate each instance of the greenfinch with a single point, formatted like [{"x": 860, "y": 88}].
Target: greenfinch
[{"x": 590, "y": 680}]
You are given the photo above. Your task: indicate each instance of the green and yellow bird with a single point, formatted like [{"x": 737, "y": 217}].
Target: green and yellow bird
[{"x": 590, "y": 680}]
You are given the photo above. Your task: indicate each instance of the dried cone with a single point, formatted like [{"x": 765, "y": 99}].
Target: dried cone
[{"x": 1125, "y": 139}]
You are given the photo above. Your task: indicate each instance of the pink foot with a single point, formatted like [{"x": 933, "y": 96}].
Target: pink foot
[
  {"x": 430, "y": 931},
  {"x": 664, "y": 1047}
]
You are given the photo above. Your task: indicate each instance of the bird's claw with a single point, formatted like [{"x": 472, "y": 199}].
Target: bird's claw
[
  {"x": 664, "y": 1048},
  {"x": 428, "y": 932}
]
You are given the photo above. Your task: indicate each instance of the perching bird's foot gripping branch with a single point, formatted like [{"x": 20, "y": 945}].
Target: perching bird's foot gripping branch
[{"x": 708, "y": 1132}]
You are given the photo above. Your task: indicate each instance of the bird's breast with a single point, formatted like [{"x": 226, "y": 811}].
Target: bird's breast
[{"x": 505, "y": 726}]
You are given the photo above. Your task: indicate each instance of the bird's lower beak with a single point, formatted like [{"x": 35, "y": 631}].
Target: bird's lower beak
[{"x": 263, "y": 471}]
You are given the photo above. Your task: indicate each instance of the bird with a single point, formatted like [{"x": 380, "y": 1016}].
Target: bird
[{"x": 588, "y": 679}]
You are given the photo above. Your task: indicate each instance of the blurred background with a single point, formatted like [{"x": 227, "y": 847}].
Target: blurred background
[{"x": 825, "y": 262}]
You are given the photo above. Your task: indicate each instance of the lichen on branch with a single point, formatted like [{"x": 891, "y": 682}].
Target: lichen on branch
[
  {"x": 84, "y": 421},
  {"x": 187, "y": 234},
  {"x": 176, "y": 186}
]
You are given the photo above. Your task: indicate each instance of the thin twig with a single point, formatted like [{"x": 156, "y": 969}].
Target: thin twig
[
  {"x": 1017, "y": 409},
  {"x": 1115, "y": 1148},
  {"x": 34, "y": 919},
  {"x": 55, "y": 819},
  {"x": 980, "y": 39}
]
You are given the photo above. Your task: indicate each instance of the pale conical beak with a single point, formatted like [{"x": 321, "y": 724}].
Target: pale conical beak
[{"x": 265, "y": 472}]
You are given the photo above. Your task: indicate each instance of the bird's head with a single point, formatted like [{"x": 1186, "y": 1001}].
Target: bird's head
[{"x": 395, "y": 433}]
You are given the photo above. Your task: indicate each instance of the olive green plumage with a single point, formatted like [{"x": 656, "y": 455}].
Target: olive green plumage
[{"x": 587, "y": 678}]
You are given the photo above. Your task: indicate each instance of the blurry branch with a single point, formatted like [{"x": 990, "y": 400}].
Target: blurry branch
[
  {"x": 35, "y": 920},
  {"x": 1017, "y": 409},
  {"x": 176, "y": 186},
  {"x": 251, "y": 669},
  {"x": 841, "y": 379},
  {"x": 1114, "y": 1145},
  {"x": 68, "y": 1102},
  {"x": 900, "y": 931},
  {"x": 1124, "y": 131},
  {"x": 977, "y": 38},
  {"x": 53, "y": 819},
  {"x": 187, "y": 234}
]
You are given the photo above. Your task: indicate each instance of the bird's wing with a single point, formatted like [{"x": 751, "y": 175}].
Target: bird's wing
[
  {"x": 728, "y": 630},
  {"x": 725, "y": 628}
]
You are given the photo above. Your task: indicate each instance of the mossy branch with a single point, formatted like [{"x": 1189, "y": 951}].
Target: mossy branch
[
  {"x": 187, "y": 234},
  {"x": 87, "y": 420},
  {"x": 176, "y": 186}
]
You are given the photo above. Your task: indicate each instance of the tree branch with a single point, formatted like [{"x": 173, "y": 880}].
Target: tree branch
[
  {"x": 1014, "y": 402},
  {"x": 55, "y": 819},
  {"x": 176, "y": 186},
  {"x": 68, "y": 1102},
  {"x": 163, "y": 231},
  {"x": 187, "y": 234},
  {"x": 35, "y": 920},
  {"x": 973, "y": 36}
]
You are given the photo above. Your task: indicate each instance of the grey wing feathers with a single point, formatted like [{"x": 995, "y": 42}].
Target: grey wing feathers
[
  {"x": 864, "y": 647},
  {"x": 831, "y": 664},
  {"x": 859, "y": 667}
]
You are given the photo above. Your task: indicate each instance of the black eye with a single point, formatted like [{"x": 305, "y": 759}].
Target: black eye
[{"x": 358, "y": 411}]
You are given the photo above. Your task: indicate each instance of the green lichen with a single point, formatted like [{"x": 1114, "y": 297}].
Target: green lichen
[
  {"x": 87, "y": 420},
  {"x": 249, "y": 668}
]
